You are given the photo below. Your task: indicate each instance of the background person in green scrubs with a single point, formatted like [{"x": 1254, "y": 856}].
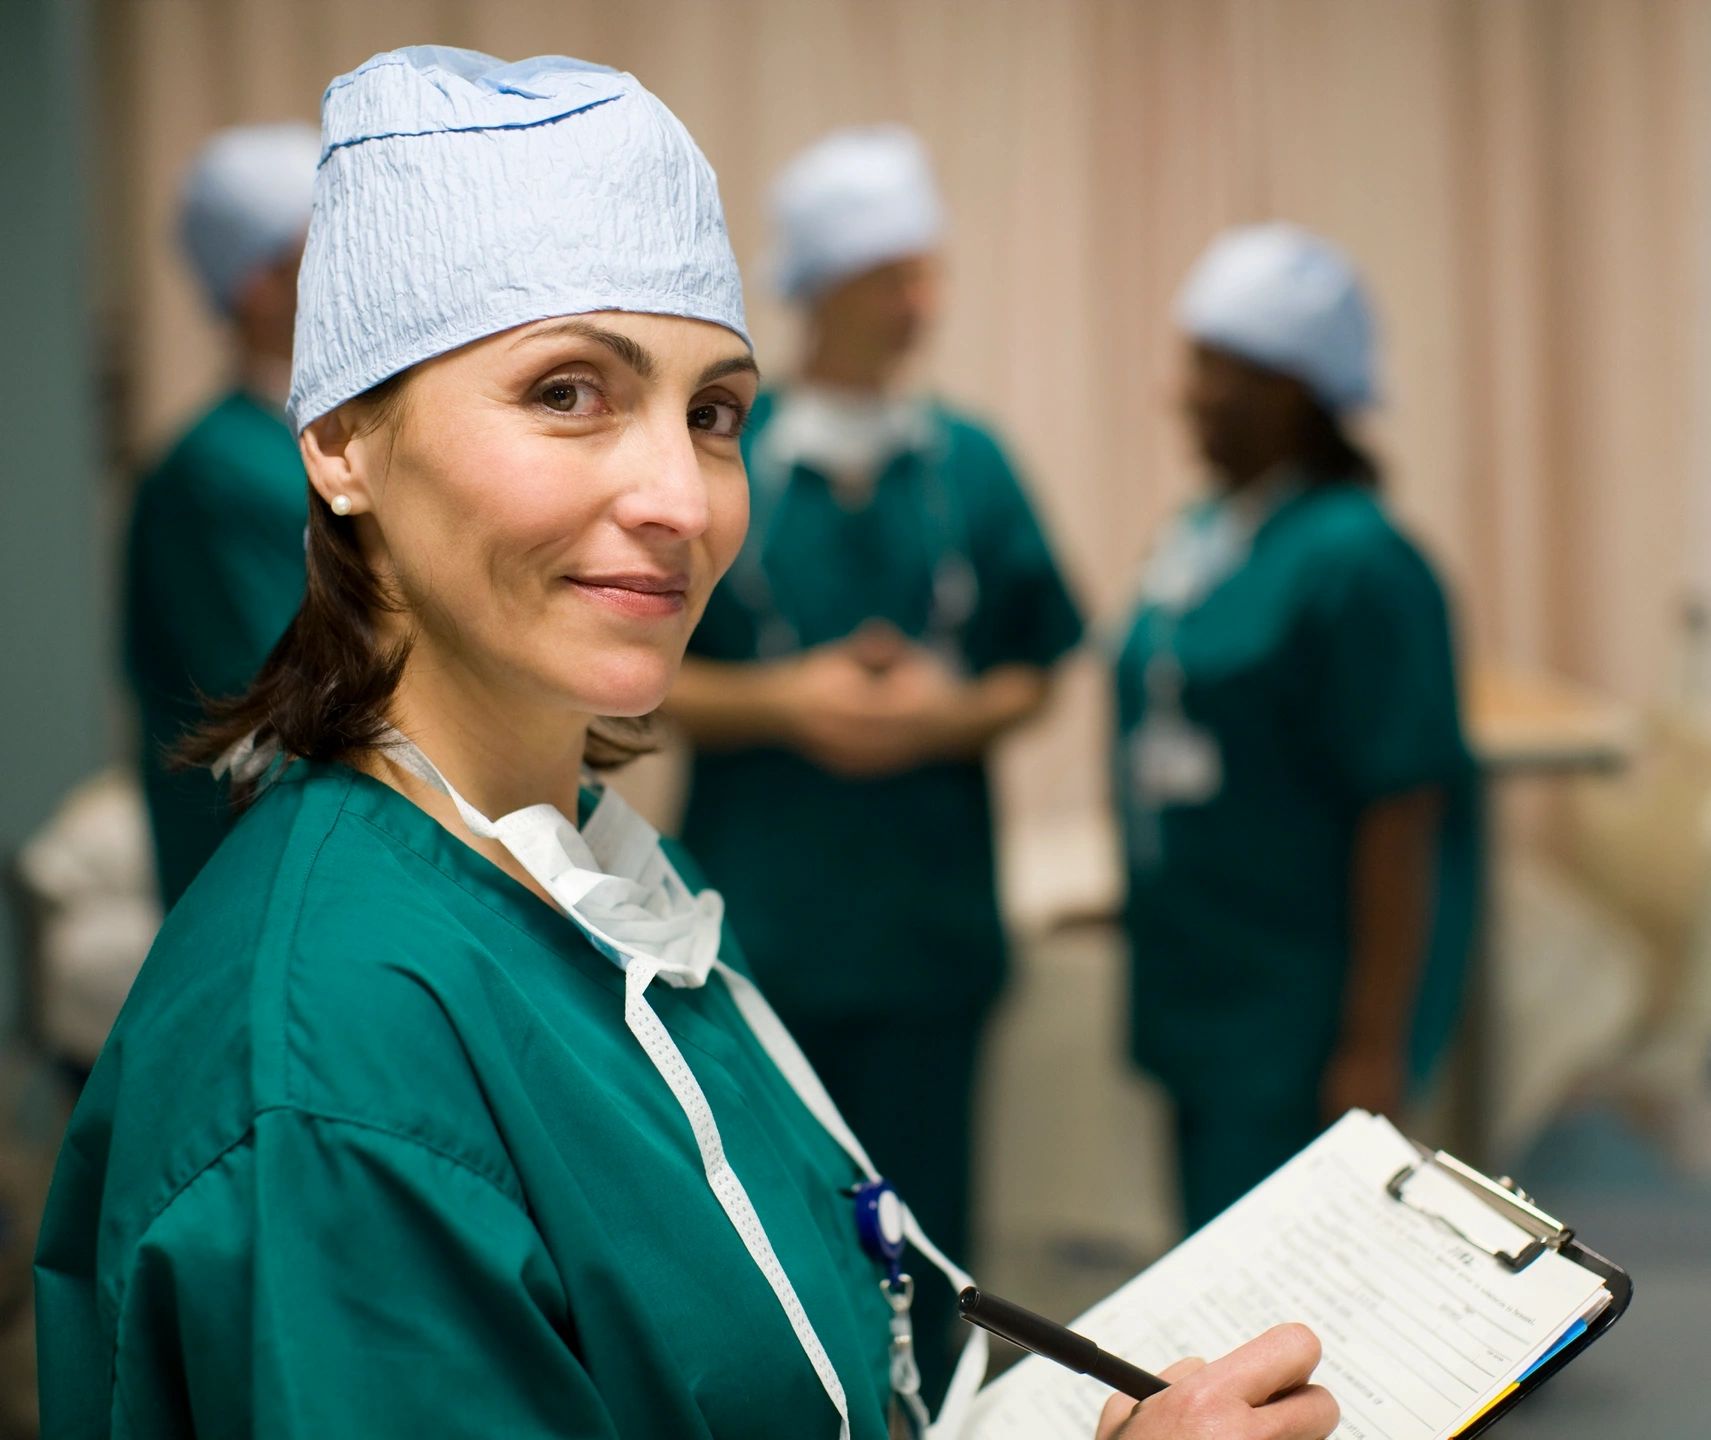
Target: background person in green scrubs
[
  {"x": 214, "y": 567},
  {"x": 895, "y": 610},
  {"x": 396, "y": 1136},
  {"x": 1299, "y": 805}
]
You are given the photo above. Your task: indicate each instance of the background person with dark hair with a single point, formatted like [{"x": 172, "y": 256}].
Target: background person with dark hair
[
  {"x": 1298, "y": 802},
  {"x": 214, "y": 569}
]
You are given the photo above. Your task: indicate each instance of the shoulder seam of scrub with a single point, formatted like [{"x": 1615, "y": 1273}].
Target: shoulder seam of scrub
[{"x": 506, "y": 1190}]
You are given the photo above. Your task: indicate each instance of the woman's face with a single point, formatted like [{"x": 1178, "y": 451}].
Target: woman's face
[
  {"x": 552, "y": 505},
  {"x": 1245, "y": 419},
  {"x": 882, "y": 313}
]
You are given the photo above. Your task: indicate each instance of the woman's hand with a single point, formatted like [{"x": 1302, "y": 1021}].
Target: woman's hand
[
  {"x": 1258, "y": 1392},
  {"x": 873, "y": 705},
  {"x": 840, "y": 713}
]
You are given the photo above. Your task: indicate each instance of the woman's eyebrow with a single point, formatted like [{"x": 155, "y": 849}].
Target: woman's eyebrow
[
  {"x": 734, "y": 365},
  {"x": 636, "y": 356}
]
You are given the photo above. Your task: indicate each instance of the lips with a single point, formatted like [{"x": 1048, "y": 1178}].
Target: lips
[
  {"x": 639, "y": 594},
  {"x": 643, "y": 584}
]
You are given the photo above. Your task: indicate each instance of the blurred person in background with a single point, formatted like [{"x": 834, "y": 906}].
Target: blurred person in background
[
  {"x": 214, "y": 568},
  {"x": 1299, "y": 804},
  {"x": 895, "y": 610}
]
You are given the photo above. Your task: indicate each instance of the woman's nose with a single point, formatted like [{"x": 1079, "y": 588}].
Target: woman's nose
[{"x": 669, "y": 488}]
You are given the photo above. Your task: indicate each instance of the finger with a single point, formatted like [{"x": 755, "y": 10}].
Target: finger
[
  {"x": 1117, "y": 1410},
  {"x": 1121, "y": 1408},
  {"x": 1309, "y": 1413},
  {"x": 879, "y": 644},
  {"x": 1269, "y": 1364}
]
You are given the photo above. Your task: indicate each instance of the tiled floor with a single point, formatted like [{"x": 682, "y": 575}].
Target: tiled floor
[{"x": 1076, "y": 1190}]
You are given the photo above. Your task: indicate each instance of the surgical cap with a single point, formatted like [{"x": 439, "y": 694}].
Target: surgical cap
[
  {"x": 245, "y": 202},
  {"x": 1287, "y": 300},
  {"x": 460, "y": 196},
  {"x": 854, "y": 201}
]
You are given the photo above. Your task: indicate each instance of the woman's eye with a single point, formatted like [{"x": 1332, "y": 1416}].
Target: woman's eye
[
  {"x": 717, "y": 417},
  {"x": 570, "y": 397}
]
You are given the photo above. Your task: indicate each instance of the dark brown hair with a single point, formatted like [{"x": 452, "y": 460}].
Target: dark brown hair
[
  {"x": 1331, "y": 456},
  {"x": 324, "y": 691}
]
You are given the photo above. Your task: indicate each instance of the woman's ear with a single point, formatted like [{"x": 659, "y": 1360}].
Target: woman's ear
[{"x": 339, "y": 459}]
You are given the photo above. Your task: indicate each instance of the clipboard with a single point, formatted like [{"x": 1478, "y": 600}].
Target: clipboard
[
  {"x": 1547, "y": 1234},
  {"x": 1356, "y": 1236}
]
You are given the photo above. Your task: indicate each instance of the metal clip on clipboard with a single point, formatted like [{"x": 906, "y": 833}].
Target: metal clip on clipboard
[
  {"x": 1503, "y": 1196},
  {"x": 1546, "y": 1232}
]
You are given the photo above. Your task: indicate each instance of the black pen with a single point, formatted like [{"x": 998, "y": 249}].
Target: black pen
[{"x": 1050, "y": 1340}]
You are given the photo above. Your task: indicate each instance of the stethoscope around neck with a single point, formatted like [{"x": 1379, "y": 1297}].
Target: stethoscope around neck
[{"x": 955, "y": 584}]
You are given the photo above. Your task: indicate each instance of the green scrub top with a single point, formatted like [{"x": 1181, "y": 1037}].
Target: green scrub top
[
  {"x": 862, "y": 897},
  {"x": 1323, "y": 669},
  {"x": 214, "y": 575},
  {"x": 371, "y": 1153}
]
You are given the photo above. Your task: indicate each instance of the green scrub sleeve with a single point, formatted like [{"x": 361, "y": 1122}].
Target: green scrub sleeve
[
  {"x": 237, "y": 581},
  {"x": 328, "y": 1278},
  {"x": 1380, "y": 678},
  {"x": 1027, "y": 613}
]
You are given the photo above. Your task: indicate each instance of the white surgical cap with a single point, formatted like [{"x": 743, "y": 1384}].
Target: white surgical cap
[
  {"x": 856, "y": 200},
  {"x": 245, "y": 202},
  {"x": 460, "y": 196},
  {"x": 1287, "y": 300}
]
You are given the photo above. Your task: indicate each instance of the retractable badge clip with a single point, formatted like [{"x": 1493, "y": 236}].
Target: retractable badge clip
[{"x": 879, "y": 1225}]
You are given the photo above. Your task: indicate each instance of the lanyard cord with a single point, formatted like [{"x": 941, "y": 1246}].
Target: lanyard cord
[
  {"x": 786, "y": 1054},
  {"x": 653, "y": 1037}
]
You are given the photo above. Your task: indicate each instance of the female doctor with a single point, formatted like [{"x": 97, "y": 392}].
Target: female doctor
[
  {"x": 1298, "y": 801},
  {"x": 424, "y": 1122}
]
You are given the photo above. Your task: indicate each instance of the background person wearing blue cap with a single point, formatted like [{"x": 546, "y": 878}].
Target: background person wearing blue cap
[
  {"x": 214, "y": 568},
  {"x": 1298, "y": 802},
  {"x": 895, "y": 609},
  {"x": 420, "y": 1122}
]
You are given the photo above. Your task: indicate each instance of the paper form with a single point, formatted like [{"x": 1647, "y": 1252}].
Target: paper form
[{"x": 1421, "y": 1329}]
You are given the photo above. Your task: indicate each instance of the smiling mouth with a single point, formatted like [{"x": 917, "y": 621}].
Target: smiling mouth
[{"x": 647, "y": 596}]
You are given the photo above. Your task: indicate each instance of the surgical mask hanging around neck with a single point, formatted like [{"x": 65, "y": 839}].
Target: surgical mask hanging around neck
[{"x": 847, "y": 436}]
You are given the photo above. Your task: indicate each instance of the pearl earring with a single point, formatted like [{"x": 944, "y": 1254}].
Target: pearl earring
[{"x": 341, "y": 504}]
